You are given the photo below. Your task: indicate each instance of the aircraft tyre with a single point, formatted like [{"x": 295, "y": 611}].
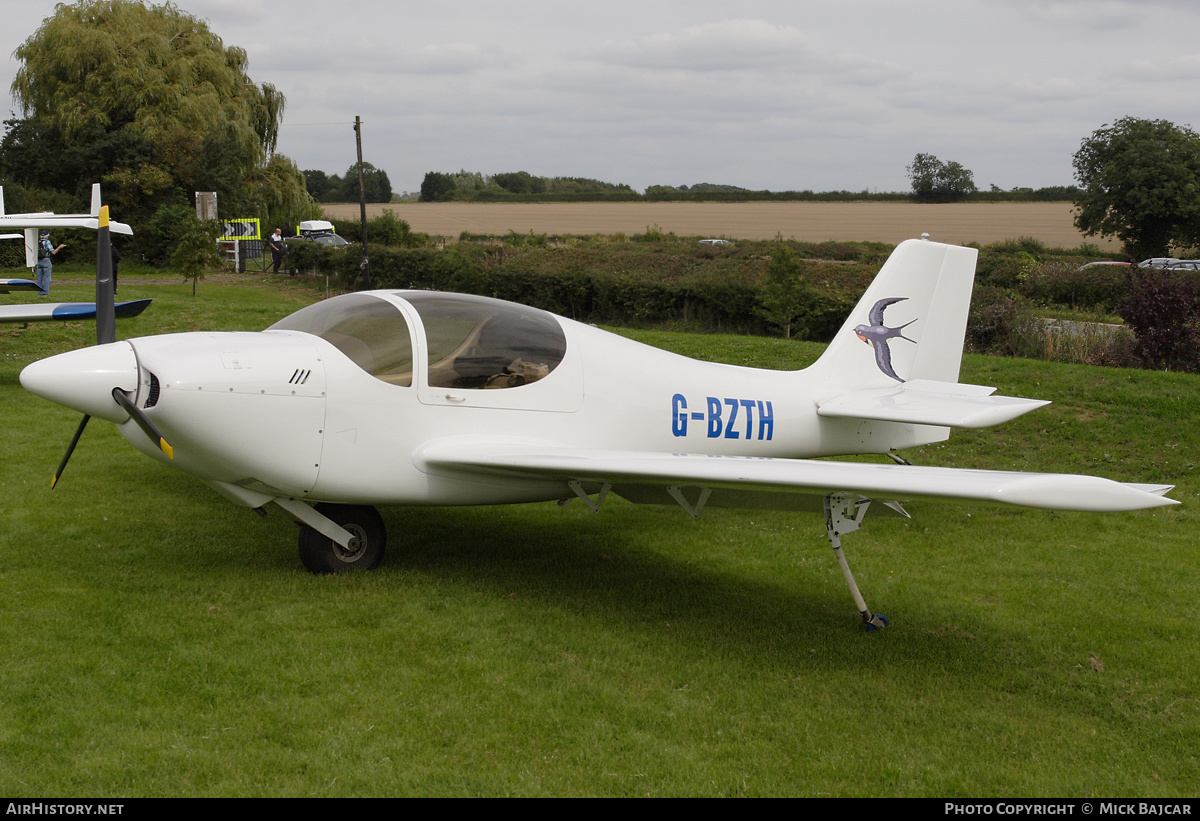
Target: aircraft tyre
[{"x": 320, "y": 554}]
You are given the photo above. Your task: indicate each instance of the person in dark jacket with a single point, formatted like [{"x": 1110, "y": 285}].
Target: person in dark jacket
[{"x": 275, "y": 243}]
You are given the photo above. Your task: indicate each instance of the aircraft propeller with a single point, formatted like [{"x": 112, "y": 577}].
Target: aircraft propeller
[
  {"x": 122, "y": 399},
  {"x": 106, "y": 332}
]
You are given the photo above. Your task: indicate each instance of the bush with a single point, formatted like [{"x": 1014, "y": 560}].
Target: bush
[
  {"x": 996, "y": 321},
  {"x": 1163, "y": 310},
  {"x": 385, "y": 229},
  {"x": 12, "y": 254},
  {"x": 1002, "y": 268},
  {"x": 388, "y": 229},
  {"x": 1102, "y": 287},
  {"x": 532, "y": 240},
  {"x": 163, "y": 232}
]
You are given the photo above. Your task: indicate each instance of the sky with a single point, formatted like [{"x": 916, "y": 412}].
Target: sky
[{"x": 762, "y": 94}]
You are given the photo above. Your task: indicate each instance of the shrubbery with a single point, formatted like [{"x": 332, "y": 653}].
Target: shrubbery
[
  {"x": 163, "y": 233},
  {"x": 1101, "y": 287},
  {"x": 1163, "y": 310},
  {"x": 805, "y": 290},
  {"x": 658, "y": 282},
  {"x": 997, "y": 321},
  {"x": 385, "y": 229}
]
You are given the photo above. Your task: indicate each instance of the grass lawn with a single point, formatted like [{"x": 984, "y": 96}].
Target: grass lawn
[{"x": 159, "y": 641}]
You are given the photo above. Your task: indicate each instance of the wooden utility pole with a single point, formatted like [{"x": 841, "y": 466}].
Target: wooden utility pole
[{"x": 362, "y": 204}]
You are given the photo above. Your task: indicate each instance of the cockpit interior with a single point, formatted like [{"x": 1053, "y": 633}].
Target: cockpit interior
[{"x": 472, "y": 342}]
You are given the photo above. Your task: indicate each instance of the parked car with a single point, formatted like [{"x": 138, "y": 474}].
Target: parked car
[
  {"x": 318, "y": 231},
  {"x": 1184, "y": 265},
  {"x": 715, "y": 242},
  {"x": 1157, "y": 262},
  {"x": 1105, "y": 263}
]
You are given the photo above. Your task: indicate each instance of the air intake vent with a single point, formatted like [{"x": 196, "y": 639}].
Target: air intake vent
[
  {"x": 152, "y": 397},
  {"x": 299, "y": 377}
]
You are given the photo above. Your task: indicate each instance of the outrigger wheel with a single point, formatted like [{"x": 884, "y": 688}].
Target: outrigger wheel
[{"x": 844, "y": 513}]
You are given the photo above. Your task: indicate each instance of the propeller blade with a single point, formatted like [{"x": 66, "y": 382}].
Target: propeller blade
[
  {"x": 142, "y": 422},
  {"x": 70, "y": 449},
  {"x": 106, "y": 320}
]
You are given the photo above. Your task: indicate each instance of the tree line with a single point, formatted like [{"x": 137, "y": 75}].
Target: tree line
[
  {"x": 473, "y": 186},
  {"x": 933, "y": 181},
  {"x": 332, "y": 188}
]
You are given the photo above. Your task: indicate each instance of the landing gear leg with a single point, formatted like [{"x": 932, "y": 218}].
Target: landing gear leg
[
  {"x": 334, "y": 538},
  {"x": 844, "y": 513}
]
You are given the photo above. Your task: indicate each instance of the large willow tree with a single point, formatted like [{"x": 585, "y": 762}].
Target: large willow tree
[{"x": 149, "y": 101}]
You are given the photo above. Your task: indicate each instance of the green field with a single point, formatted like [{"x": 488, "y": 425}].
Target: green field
[{"x": 159, "y": 641}]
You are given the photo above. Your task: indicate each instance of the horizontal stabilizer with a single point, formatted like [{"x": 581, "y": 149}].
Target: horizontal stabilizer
[
  {"x": 464, "y": 458},
  {"x": 928, "y": 402}
]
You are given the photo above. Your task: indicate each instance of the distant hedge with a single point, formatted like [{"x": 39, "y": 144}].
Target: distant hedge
[
  {"x": 753, "y": 287},
  {"x": 674, "y": 283}
]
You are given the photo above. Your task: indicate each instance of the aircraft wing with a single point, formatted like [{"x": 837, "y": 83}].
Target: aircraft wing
[
  {"x": 7, "y": 286},
  {"x": 67, "y": 311},
  {"x": 473, "y": 458},
  {"x": 52, "y": 221}
]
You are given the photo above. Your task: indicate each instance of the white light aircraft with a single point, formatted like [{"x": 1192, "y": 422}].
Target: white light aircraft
[
  {"x": 425, "y": 398},
  {"x": 30, "y": 225}
]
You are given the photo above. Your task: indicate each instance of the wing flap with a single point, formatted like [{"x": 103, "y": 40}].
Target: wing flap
[
  {"x": 464, "y": 457},
  {"x": 927, "y": 402}
]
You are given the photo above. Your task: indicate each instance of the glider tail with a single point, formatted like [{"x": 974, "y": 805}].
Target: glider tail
[{"x": 924, "y": 290}]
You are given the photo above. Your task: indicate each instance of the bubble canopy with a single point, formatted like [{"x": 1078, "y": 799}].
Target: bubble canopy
[{"x": 472, "y": 342}]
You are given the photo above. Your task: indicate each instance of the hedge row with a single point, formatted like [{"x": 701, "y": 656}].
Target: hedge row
[
  {"x": 635, "y": 284},
  {"x": 660, "y": 280}
]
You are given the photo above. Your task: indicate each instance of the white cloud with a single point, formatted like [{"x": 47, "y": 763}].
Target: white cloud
[
  {"x": 756, "y": 93},
  {"x": 1167, "y": 68}
]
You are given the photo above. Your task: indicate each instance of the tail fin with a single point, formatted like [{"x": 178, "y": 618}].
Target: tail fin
[
  {"x": 911, "y": 322},
  {"x": 895, "y": 363}
]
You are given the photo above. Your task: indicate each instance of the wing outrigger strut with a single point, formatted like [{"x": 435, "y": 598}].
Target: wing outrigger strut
[
  {"x": 582, "y": 493},
  {"x": 676, "y": 492},
  {"x": 844, "y": 513}
]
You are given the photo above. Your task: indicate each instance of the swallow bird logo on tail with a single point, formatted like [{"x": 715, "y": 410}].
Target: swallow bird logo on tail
[{"x": 877, "y": 335}]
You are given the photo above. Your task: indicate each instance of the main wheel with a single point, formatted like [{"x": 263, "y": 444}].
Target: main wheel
[{"x": 321, "y": 554}]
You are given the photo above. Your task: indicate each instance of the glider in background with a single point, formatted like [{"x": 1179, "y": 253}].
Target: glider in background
[{"x": 30, "y": 225}]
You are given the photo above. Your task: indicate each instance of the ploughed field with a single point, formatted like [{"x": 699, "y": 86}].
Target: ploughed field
[{"x": 892, "y": 222}]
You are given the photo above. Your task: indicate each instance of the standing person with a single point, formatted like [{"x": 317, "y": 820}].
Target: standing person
[
  {"x": 276, "y": 243},
  {"x": 45, "y": 264}
]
